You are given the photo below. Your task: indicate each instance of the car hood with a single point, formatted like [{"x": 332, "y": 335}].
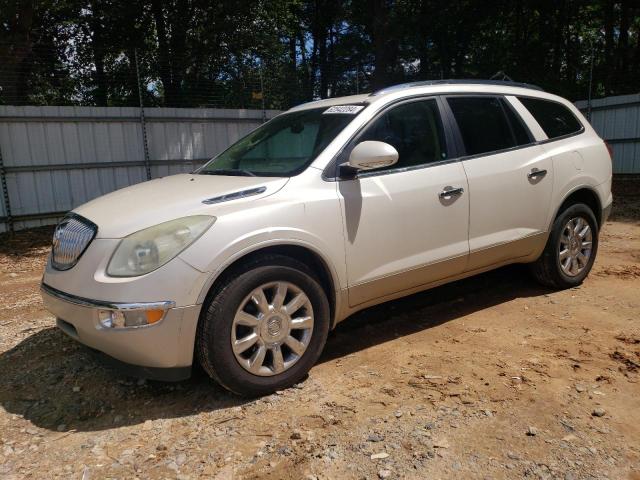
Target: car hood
[{"x": 140, "y": 206}]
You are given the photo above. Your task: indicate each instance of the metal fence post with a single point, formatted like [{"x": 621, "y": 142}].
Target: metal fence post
[
  {"x": 5, "y": 193},
  {"x": 143, "y": 125}
]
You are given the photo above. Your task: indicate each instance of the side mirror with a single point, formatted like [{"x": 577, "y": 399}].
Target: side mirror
[{"x": 372, "y": 154}]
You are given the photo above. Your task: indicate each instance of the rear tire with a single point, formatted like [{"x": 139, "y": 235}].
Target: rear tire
[
  {"x": 250, "y": 307},
  {"x": 571, "y": 249}
]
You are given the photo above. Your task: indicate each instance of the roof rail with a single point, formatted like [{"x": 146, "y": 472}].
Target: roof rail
[{"x": 427, "y": 83}]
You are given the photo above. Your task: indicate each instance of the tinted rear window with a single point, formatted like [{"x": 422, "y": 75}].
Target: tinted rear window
[
  {"x": 483, "y": 124},
  {"x": 555, "y": 119}
]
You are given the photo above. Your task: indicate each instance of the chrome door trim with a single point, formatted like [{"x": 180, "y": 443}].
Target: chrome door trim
[{"x": 85, "y": 302}]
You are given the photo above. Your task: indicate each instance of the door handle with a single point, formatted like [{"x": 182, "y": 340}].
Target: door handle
[
  {"x": 535, "y": 173},
  {"x": 451, "y": 192}
]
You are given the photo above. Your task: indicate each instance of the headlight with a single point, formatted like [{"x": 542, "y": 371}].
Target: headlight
[{"x": 149, "y": 249}]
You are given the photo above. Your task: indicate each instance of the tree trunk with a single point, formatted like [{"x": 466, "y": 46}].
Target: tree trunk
[
  {"x": 423, "y": 49},
  {"x": 331, "y": 75},
  {"x": 382, "y": 46},
  {"x": 623, "y": 41},
  {"x": 608, "y": 45},
  {"x": 322, "y": 54},
  {"x": 307, "y": 83},
  {"x": 164, "y": 53},
  {"x": 97, "y": 44},
  {"x": 315, "y": 34},
  {"x": 571, "y": 60},
  {"x": 16, "y": 53},
  {"x": 179, "y": 22},
  {"x": 293, "y": 70}
]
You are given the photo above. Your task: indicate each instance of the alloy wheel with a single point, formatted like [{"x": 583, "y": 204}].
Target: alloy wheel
[
  {"x": 272, "y": 328},
  {"x": 576, "y": 243}
]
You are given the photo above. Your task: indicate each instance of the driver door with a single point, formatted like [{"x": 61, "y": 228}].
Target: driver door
[{"x": 406, "y": 225}]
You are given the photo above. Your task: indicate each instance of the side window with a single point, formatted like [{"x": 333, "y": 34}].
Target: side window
[
  {"x": 414, "y": 129},
  {"x": 555, "y": 119},
  {"x": 482, "y": 123}
]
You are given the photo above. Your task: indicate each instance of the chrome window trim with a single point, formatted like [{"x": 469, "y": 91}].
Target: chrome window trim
[
  {"x": 555, "y": 139},
  {"x": 85, "y": 302},
  {"x": 498, "y": 152},
  {"x": 375, "y": 173},
  {"x": 519, "y": 147}
]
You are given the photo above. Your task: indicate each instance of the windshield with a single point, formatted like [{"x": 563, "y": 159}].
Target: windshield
[{"x": 284, "y": 146}]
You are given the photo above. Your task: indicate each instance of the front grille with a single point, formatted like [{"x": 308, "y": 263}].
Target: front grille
[{"x": 71, "y": 238}]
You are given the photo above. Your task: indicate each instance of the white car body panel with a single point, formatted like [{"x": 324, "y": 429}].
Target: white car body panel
[
  {"x": 314, "y": 222},
  {"x": 398, "y": 223},
  {"x": 149, "y": 203},
  {"x": 507, "y": 206}
]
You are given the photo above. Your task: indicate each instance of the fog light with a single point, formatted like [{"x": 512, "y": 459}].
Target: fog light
[
  {"x": 129, "y": 318},
  {"x": 135, "y": 318},
  {"x": 111, "y": 318}
]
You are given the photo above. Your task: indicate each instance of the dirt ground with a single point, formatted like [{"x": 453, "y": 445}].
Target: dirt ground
[{"x": 490, "y": 377}]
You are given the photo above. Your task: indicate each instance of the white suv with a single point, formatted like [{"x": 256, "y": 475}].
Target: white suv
[{"x": 331, "y": 207}]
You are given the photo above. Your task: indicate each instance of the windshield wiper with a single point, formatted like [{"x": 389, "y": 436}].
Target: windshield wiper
[{"x": 228, "y": 171}]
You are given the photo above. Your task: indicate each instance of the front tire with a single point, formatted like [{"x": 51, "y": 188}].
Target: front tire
[
  {"x": 264, "y": 327},
  {"x": 571, "y": 249}
]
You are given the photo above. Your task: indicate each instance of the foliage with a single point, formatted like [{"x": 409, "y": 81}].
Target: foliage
[{"x": 202, "y": 53}]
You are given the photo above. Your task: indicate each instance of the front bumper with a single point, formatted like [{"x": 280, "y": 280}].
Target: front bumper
[{"x": 165, "y": 346}]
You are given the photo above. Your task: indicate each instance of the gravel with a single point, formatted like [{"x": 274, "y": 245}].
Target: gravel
[{"x": 483, "y": 386}]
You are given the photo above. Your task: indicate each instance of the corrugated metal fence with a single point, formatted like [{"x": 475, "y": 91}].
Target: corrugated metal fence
[
  {"x": 55, "y": 158},
  {"x": 617, "y": 120}
]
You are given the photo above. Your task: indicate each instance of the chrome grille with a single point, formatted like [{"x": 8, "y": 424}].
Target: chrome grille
[{"x": 70, "y": 239}]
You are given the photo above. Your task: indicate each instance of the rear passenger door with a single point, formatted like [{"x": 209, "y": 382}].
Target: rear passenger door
[{"x": 509, "y": 175}]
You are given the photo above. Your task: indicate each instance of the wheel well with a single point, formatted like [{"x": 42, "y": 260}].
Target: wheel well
[
  {"x": 297, "y": 252},
  {"x": 589, "y": 198}
]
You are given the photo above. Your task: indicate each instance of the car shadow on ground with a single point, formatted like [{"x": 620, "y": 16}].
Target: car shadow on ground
[
  {"x": 26, "y": 242},
  {"x": 428, "y": 309},
  {"x": 58, "y": 384}
]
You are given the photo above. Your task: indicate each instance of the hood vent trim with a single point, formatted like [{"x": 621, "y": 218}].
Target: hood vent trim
[{"x": 235, "y": 195}]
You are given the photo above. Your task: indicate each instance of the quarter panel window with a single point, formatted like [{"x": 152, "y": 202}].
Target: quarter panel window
[
  {"x": 414, "y": 129},
  {"x": 555, "y": 119},
  {"x": 482, "y": 123}
]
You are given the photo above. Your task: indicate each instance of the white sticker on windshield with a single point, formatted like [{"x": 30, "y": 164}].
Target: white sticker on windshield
[{"x": 349, "y": 109}]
